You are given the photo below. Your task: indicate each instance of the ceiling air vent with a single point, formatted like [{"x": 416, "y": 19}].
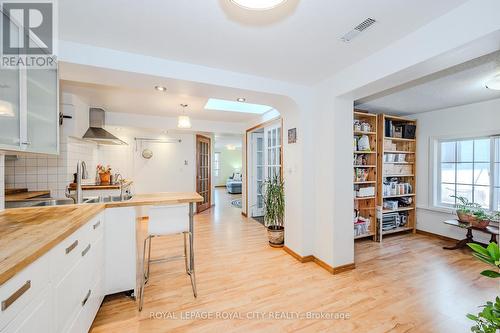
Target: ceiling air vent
[{"x": 357, "y": 30}]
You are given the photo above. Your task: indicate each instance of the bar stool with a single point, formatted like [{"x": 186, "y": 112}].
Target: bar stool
[{"x": 164, "y": 221}]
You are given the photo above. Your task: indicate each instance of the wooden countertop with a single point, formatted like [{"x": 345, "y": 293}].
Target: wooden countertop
[
  {"x": 72, "y": 186},
  {"x": 28, "y": 233},
  {"x": 21, "y": 196}
]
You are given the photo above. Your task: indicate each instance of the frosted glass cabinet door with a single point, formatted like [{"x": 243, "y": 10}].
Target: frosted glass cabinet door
[
  {"x": 9, "y": 109},
  {"x": 42, "y": 111}
]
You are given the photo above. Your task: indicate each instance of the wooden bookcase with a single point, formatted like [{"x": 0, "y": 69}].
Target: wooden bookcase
[
  {"x": 396, "y": 181},
  {"x": 365, "y": 176}
]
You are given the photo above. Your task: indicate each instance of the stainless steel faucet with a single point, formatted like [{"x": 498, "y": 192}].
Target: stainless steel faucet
[{"x": 81, "y": 172}]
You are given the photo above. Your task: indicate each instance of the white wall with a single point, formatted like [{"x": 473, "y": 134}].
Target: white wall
[
  {"x": 2, "y": 186},
  {"x": 468, "y": 120}
]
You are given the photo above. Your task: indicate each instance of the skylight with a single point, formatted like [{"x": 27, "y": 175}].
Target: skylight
[{"x": 231, "y": 106}]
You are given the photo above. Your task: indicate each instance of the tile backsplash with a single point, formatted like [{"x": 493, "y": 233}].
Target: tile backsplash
[{"x": 48, "y": 172}]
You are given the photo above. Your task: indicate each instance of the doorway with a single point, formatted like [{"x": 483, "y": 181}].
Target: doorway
[{"x": 203, "y": 172}]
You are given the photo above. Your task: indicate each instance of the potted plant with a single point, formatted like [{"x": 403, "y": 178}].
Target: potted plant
[
  {"x": 274, "y": 210},
  {"x": 472, "y": 213},
  {"x": 488, "y": 320},
  {"x": 104, "y": 174}
]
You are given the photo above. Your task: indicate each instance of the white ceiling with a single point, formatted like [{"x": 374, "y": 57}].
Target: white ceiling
[
  {"x": 458, "y": 85},
  {"x": 297, "y": 42},
  {"x": 126, "y": 92}
]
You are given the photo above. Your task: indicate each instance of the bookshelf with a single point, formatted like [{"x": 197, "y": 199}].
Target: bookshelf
[
  {"x": 396, "y": 180},
  {"x": 365, "y": 175}
]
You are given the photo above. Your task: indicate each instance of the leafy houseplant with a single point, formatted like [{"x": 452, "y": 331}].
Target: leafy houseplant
[
  {"x": 473, "y": 213},
  {"x": 488, "y": 320},
  {"x": 274, "y": 210}
]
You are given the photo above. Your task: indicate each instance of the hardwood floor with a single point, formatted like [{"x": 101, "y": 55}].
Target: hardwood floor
[{"x": 399, "y": 286}]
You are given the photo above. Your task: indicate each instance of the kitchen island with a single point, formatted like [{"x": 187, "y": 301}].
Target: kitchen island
[{"x": 37, "y": 256}]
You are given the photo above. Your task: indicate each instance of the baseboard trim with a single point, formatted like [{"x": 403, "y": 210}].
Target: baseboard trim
[
  {"x": 319, "y": 262},
  {"x": 344, "y": 268},
  {"x": 298, "y": 256},
  {"x": 431, "y": 234},
  {"x": 244, "y": 214}
]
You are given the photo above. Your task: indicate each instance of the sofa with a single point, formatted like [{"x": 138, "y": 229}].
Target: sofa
[{"x": 233, "y": 184}]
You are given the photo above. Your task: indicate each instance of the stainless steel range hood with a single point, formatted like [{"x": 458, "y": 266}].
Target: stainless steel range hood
[{"x": 96, "y": 131}]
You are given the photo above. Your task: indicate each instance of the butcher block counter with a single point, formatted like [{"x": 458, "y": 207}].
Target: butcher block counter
[{"x": 28, "y": 233}]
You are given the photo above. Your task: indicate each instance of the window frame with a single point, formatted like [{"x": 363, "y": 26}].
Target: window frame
[
  {"x": 217, "y": 164},
  {"x": 493, "y": 162}
]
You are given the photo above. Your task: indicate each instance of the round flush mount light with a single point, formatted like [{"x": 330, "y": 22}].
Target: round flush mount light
[
  {"x": 241, "y": 100},
  {"x": 258, "y": 4},
  {"x": 494, "y": 83},
  {"x": 160, "y": 88}
]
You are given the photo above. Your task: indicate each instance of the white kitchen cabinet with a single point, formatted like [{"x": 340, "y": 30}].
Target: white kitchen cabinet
[
  {"x": 29, "y": 107},
  {"x": 35, "y": 317},
  {"x": 29, "y": 110},
  {"x": 120, "y": 250},
  {"x": 61, "y": 291},
  {"x": 42, "y": 108},
  {"x": 10, "y": 131}
]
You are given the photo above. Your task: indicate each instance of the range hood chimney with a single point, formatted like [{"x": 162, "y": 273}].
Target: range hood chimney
[{"x": 96, "y": 131}]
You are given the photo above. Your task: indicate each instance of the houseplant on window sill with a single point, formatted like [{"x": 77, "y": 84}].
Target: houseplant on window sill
[{"x": 274, "y": 210}]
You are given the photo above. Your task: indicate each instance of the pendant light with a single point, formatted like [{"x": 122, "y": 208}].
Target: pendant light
[
  {"x": 258, "y": 4},
  {"x": 183, "y": 120}
]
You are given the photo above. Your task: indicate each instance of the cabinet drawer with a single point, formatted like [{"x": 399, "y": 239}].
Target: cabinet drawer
[
  {"x": 67, "y": 253},
  {"x": 96, "y": 227},
  {"x": 35, "y": 317},
  {"x": 92, "y": 262},
  {"x": 90, "y": 308},
  {"x": 23, "y": 288}
]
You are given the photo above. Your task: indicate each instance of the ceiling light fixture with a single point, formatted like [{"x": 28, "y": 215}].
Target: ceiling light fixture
[
  {"x": 160, "y": 88},
  {"x": 183, "y": 120},
  {"x": 241, "y": 100},
  {"x": 494, "y": 83},
  {"x": 258, "y": 4}
]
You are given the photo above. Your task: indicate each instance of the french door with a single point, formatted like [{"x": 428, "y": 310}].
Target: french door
[
  {"x": 272, "y": 138},
  {"x": 203, "y": 172},
  {"x": 258, "y": 173},
  {"x": 266, "y": 157}
]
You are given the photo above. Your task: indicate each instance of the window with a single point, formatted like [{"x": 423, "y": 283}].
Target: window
[
  {"x": 216, "y": 164},
  {"x": 469, "y": 168}
]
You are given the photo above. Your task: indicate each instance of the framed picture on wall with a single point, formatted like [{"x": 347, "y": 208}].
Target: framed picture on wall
[{"x": 292, "y": 135}]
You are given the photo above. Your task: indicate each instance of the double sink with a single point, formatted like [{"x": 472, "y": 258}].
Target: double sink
[{"x": 60, "y": 202}]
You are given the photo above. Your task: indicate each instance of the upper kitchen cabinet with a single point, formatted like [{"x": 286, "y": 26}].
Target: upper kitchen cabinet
[
  {"x": 29, "y": 110},
  {"x": 10, "y": 130},
  {"x": 42, "y": 110}
]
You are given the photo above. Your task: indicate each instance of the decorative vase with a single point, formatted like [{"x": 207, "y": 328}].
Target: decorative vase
[
  {"x": 276, "y": 235},
  {"x": 105, "y": 178}
]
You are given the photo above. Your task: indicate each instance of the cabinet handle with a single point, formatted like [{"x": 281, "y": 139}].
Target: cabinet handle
[
  {"x": 97, "y": 225},
  {"x": 19, "y": 292},
  {"x": 27, "y": 143},
  {"x": 84, "y": 252},
  {"x": 72, "y": 247},
  {"x": 86, "y": 298}
]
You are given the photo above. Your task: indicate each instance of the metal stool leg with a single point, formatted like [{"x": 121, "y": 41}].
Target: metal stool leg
[
  {"x": 192, "y": 274},
  {"x": 185, "y": 234},
  {"x": 149, "y": 258},
  {"x": 143, "y": 278}
]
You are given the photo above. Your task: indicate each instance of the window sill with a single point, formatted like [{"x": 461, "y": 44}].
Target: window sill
[{"x": 438, "y": 209}]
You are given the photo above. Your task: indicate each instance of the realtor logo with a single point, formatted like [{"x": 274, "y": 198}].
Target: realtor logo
[{"x": 27, "y": 34}]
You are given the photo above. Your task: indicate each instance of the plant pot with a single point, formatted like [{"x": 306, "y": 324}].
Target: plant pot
[
  {"x": 276, "y": 236},
  {"x": 463, "y": 216},
  {"x": 105, "y": 178},
  {"x": 478, "y": 223}
]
